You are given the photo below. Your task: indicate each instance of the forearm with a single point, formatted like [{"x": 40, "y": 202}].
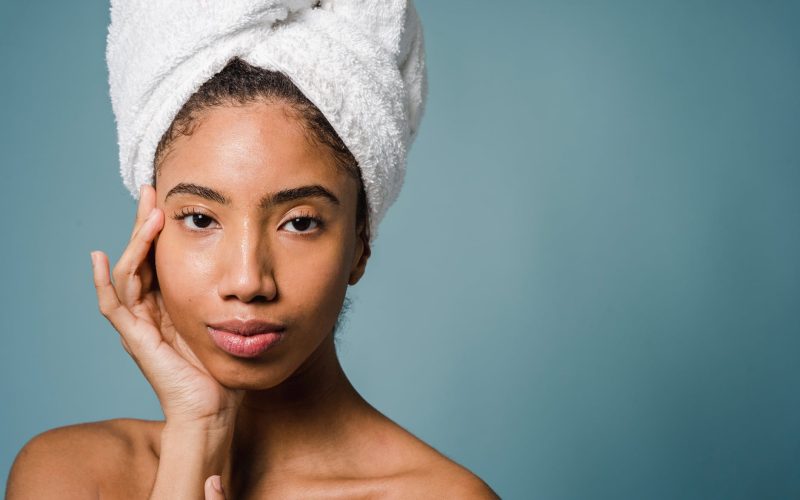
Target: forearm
[{"x": 190, "y": 454}]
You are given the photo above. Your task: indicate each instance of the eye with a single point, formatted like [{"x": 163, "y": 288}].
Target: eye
[
  {"x": 200, "y": 220},
  {"x": 302, "y": 222}
]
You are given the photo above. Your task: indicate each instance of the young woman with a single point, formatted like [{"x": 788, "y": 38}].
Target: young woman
[{"x": 227, "y": 297}]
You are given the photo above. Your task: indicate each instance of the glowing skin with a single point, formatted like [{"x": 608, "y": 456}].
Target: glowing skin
[
  {"x": 240, "y": 260},
  {"x": 282, "y": 422}
]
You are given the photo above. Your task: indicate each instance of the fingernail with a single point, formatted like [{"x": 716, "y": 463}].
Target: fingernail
[
  {"x": 216, "y": 483},
  {"x": 94, "y": 258}
]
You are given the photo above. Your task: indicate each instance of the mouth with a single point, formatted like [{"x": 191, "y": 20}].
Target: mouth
[{"x": 246, "y": 339}]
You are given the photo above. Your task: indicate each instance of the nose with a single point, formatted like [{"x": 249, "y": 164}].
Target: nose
[{"x": 247, "y": 268}]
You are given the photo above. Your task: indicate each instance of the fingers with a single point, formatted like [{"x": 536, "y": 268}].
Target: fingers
[
  {"x": 129, "y": 269},
  {"x": 213, "y": 488},
  {"x": 107, "y": 300},
  {"x": 133, "y": 338},
  {"x": 147, "y": 201},
  {"x": 129, "y": 293}
]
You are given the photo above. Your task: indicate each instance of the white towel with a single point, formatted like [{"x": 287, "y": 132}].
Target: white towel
[{"x": 361, "y": 62}]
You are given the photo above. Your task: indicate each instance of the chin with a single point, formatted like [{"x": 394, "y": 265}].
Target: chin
[
  {"x": 249, "y": 385},
  {"x": 251, "y": 377}
]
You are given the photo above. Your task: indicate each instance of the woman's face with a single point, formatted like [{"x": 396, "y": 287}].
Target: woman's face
[{"x": 231, "y": 250}]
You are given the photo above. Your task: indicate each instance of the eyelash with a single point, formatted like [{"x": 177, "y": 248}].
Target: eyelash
[
  {"x": 303, "y": 215},
  {"x": 306, "y": 215}
]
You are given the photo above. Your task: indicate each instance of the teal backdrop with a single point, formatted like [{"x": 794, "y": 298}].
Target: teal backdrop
[{"x": 588, "y": 288}]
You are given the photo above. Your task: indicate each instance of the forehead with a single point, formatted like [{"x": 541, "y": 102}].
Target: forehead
[{"x": 248, "y": 149}]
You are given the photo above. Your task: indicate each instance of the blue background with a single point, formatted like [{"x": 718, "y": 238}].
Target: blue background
[{"x": 588, "y": 288}]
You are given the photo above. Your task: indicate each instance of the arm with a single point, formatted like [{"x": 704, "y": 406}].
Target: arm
[
  {"x": 189, "y": 455},
  {"x": 199, "y": 411},
  {"x": 71, "y": 462}
]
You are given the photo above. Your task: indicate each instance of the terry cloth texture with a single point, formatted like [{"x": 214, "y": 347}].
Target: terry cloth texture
[{"x": 361, "y": 62}]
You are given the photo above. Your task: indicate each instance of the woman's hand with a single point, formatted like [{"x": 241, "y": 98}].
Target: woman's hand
[{"x": 187, "y": 392}]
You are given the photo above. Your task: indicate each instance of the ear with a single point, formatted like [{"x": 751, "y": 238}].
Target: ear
[{"x": 362, "y": 253}]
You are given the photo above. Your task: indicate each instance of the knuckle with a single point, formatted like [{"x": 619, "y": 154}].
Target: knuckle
[
  {"x": 125, "y": 345},
  {"x": 121, "y": 273},
  {"x": 107, "y": 307},
  {"x": 105, "y": 310}
]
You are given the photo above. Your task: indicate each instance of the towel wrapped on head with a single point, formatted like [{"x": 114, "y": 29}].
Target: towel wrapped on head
[{"x": 361, "y": 62}]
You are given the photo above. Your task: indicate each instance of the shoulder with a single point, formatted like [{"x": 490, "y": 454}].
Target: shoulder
[
  {"x": 79, "y": 460},
  {"x": 432, "y": 474},
  {"x": 445, "y": 478}
]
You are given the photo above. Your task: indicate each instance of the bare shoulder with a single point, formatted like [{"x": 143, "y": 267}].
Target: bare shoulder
[
  {"x": 82, "y": 460},
  {"x": 447, "y": 479},
  {"x": 435, "y": 475}
]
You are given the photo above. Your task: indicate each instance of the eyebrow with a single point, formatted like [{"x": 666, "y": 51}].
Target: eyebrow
[{"x": 267, "y": 201}]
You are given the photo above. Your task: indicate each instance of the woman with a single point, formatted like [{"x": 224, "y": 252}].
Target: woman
[{"x": 227, "y": 296}]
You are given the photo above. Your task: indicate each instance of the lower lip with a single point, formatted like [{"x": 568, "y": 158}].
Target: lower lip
[{"x": 245, "y": 346}]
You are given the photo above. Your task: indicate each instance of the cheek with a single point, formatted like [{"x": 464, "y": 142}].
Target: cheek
[
  {"x": 184, "y": 276},
  {"x": 315, "y": 281},
  {"x": 311, "y": 279}
]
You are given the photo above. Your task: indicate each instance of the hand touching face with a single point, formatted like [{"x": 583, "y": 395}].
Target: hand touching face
[
  {"x": 134, "y": 306},
  {"x": 259, "y": 225}
]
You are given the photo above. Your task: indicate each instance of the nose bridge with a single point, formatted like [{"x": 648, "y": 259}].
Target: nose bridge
[{"x": 247, "y": 264}]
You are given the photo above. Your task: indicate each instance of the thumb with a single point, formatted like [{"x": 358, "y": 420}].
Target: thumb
[{"x": 213, "y": 488}]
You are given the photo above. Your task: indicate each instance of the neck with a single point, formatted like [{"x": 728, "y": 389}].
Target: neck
[{"x": 303, "y": 423}]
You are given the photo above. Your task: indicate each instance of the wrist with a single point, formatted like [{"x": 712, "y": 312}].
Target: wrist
[
  {"x": 215, "y": 424},
  {"x": 190, "y": 453},
  {"x": 198, "y": 437}
]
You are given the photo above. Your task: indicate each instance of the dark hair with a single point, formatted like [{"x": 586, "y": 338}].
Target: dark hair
[{"x": 241, "y": 83}]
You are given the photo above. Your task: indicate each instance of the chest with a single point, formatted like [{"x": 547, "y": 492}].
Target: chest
[
  {"x": 136, "y": 480},
  {"x": 330, "y": 489}
]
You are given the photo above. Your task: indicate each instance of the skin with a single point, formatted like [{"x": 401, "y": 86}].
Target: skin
[{"x": 285, "y": 424}]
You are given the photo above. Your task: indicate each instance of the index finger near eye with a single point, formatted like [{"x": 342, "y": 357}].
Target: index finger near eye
[
  {"x": 107, "y": 299},
  {"x": 146, "y": 203}
]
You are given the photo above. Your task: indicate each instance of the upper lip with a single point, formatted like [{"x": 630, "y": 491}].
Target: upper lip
[{"x": 248, "y": 327}]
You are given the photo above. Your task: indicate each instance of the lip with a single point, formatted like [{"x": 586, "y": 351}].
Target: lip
[
  {"x": 246, "y": 339},
  {"x": 247, "y": 327}
]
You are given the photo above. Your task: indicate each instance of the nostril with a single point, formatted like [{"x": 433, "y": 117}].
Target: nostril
[{"x": 255, "y": 299}]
